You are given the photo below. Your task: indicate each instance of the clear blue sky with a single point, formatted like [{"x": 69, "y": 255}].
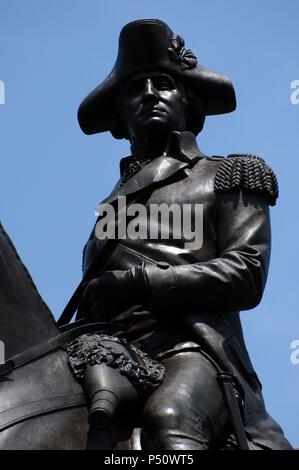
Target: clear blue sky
[{"x": 53, "y": 176}]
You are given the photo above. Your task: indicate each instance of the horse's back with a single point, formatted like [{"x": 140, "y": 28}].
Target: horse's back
[{"x": 42, "y": 407}]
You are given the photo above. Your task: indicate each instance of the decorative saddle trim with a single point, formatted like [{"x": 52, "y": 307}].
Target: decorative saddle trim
[
  {"x": 68, "y": 333},
  {"x": 143, "y": 371},
  {"x": 249, "y": 173}
]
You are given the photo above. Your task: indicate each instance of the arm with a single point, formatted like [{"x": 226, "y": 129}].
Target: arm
[
  {"x": 236, "y": 278},
  {"x": 244, "y": 188}
]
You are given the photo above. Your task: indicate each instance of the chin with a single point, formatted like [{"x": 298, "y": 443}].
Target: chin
[{"x": 155, "y": 127}]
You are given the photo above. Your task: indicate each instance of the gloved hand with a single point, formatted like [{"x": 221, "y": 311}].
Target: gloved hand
[{"x": 114, "y": 292}]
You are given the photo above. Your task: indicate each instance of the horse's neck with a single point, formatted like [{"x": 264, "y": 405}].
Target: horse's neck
[{"x": 25, "y": 320}]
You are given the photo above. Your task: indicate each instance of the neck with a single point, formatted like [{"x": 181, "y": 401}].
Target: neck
[{"x": 149, "y": 148}]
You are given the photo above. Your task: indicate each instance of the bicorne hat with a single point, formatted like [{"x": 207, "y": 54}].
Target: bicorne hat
[{"x": 150, "y": 45}]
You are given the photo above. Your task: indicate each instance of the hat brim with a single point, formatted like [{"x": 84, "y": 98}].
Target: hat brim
[{"x": 215, "y": 91}]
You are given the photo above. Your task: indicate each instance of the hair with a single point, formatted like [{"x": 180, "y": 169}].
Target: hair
[
  {"x": 195, "y": 111},
  {"x": 195, "y": 116}
]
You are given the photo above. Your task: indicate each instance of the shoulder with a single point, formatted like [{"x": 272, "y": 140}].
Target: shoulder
[{"x": 246, "y": 172}]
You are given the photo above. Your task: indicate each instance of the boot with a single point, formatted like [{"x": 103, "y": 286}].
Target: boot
[{"x": 108, "y": 391}]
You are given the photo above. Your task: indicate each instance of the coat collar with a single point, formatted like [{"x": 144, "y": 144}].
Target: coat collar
[
  {"x": 180, "y": 152},
  {"x": 182, "y": 145}
]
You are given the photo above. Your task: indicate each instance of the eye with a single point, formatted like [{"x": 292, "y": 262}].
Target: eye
[
  {"x": 164, "y": 83},
  {"x": 133, "y": 88}
]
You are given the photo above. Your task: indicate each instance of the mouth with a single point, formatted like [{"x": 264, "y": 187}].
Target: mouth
[{"x": 153, "y": 112}]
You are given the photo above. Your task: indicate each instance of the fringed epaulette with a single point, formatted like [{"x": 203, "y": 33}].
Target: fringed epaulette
[{"x": 249, "y": 173}]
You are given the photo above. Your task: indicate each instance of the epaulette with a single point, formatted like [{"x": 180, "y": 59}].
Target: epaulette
[{"x": 249, "y": 173}]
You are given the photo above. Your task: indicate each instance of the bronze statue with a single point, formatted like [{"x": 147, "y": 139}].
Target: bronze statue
[
  {"x": 178, "y": 306},
  {"x": 157, "y": 343}
]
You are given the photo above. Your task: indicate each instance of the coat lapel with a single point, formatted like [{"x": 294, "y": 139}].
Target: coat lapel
[
  {"x": 181, "y": 151},
  {"x": 158, "y": 170}
]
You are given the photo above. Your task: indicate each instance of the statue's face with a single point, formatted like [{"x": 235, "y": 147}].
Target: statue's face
[{"x": 152, "y": 105}]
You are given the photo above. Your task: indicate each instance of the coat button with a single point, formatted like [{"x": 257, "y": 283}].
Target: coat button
[
  {"x": 172, "y": 292},
  {"x": 162, "y": 265}
]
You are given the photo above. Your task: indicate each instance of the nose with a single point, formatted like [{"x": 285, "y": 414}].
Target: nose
[{"x": 150, "y": 91}]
